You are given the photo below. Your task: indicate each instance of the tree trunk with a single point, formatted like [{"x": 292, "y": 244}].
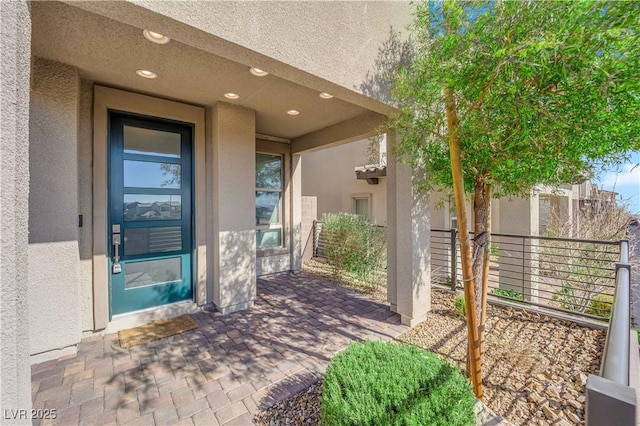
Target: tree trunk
[
  {"x": 475, "y": 370},
  {"x": 481, "y": 250}
]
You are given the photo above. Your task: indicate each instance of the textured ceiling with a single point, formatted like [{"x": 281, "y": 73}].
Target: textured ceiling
[{"x": 109, "y": 52}]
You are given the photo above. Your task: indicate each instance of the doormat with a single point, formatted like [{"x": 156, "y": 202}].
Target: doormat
[{"x": 155, "y": 330}]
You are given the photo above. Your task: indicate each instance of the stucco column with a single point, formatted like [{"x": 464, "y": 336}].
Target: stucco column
[
  {"x": 54, "y": 293},
  {"x": 408, "y": 242},
  {"x": 15, "y": 47},
  {"x": 231, "y": 222},
  {"x": 518, "y": 256},
  {"x": 562, "y": 210}
]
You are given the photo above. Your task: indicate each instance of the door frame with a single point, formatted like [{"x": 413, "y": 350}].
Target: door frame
[{"x": 106, "y": 99}]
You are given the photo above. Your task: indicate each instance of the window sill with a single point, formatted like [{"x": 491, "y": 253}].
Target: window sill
[{"x": 276, "y": 251}]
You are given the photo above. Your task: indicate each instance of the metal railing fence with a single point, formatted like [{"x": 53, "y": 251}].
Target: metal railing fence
[
  {"x": 572, "y": 276},
  {"x": 566, "y": 275},
  {"x": 318, "y": 239}
]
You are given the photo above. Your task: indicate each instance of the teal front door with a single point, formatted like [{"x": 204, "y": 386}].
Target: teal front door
[{"x": 150, "y": 224}]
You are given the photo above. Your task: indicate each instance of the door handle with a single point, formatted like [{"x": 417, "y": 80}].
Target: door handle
[{"x": 115, "y": 239}]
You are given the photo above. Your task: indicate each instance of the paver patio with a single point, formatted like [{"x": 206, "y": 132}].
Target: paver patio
[{"x": 221, "y": 373}]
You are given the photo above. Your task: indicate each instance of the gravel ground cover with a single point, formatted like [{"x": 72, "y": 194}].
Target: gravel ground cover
[{"x": 535, "y": 367}]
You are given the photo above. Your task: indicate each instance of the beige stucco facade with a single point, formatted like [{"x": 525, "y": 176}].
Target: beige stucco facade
[
  {"x": 329, "y": 176},
  {"x": 15, "y": 372},
  {"x": 60, "y": 79},
  {"x": 54, "y": 258}
]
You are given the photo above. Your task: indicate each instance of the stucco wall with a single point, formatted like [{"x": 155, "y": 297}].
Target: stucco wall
[
  {"x": 54, "y": 297},
  {"x": 15, "y": 373},
  {"x": 519, "y": 216},
  {"x": 266, "y": 265},
  {"x": 85, "y": 203},
  {"x": 329, "y": 175},
  {"x": 336, "y": 40},
  {"x": 231, "y": 227}
]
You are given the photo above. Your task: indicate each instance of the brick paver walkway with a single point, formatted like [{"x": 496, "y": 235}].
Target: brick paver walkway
[{"x": 221, "y": 373}]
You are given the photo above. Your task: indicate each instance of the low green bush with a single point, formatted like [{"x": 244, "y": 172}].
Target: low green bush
[
  {"x": 375, "y": 383},
  {"x": 508, "y": 294},
  {"x": 354, "y": 245},
  {"x": 459, "y": 305},
  {"x": 600, "y": 305}
]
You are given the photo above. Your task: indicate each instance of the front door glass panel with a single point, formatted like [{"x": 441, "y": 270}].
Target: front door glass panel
[
  {"x": 152, "y": 207},
  {"x": 150, "y": 174}
]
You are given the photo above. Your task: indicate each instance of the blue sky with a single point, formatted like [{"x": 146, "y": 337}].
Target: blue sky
[{"x": 626, "y": 181}]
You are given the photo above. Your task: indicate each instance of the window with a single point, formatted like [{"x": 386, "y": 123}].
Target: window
[
  {"x": 268, "y": 201},
  {"x": 361, "y": 205}
]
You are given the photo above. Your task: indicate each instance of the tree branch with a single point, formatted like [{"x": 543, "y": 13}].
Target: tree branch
[{"x": 477, "y": 102}]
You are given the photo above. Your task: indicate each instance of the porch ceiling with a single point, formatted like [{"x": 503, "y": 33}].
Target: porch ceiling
[{"x": 109, "y": 52}]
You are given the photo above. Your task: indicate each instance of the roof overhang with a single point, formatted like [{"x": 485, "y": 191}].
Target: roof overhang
[
  {"x": 371, "y": 173},
  {"x": 104, "y": 41}
]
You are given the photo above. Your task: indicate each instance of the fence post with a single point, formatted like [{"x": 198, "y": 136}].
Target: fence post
[
  {"x": 454, "y": 260},
  {"x": 315, "y": 238}
]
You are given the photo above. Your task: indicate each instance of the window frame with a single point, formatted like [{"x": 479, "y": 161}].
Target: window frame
[
  {"x": 362, "y": 196},
  {"x": 281, "y": 205}
]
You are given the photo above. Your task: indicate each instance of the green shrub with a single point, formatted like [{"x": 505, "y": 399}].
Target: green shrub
[
  {"x": 600, "y": 305},
  {"x": 508, "y": 294},
  {"x": 375, "y": 383},
  {"x": 459, "y": 305},
  {"x": 563, "y": 297},
  {"x": 354, "y": 245}
]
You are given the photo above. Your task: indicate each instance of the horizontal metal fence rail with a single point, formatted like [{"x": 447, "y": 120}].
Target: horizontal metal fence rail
[
  {"x": 572, "y": 276},
  {"x": 318, "y": 239}
]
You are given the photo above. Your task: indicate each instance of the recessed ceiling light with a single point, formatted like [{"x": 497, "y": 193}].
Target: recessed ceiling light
[
  {"x": 155, "y": 37},
  {"x": 258, "y": 72},
  {"x": 324, "y": 95},
  {"x": 293, "y": 112},
  {"x": 231, "y": 96},
  {"x": 147, "y": 74}
]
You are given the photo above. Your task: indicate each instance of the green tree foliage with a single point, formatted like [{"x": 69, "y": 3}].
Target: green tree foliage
[{"x": 545, "y": 91}]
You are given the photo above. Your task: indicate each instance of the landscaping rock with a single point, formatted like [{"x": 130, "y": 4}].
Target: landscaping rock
[
  {"x": 536, "y": 398},
  {"x": 575, "y": 404},
  {"x": 583, "y": 377},
  {"x": 572, "y": 417},
  {"x": 522, "y": 376},
  {"x": 550, "y": 413}
]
